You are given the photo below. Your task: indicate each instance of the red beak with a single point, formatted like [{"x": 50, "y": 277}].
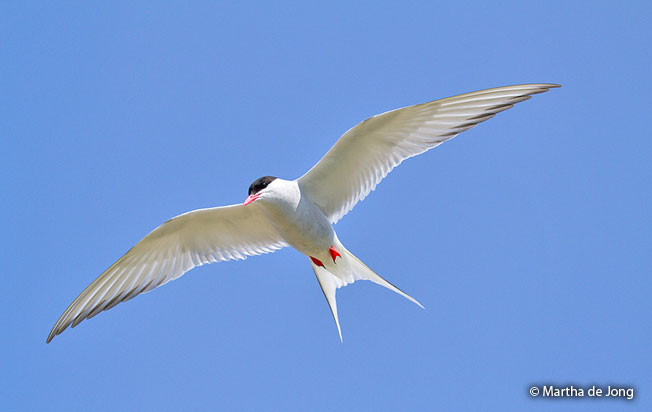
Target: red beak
[{"x": 251, "y": 198}]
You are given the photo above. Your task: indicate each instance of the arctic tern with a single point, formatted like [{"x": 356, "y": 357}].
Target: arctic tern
[{"x": 298, "y": 213}]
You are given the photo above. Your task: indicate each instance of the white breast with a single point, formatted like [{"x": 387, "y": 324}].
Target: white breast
[{"x": 298, "y": 220}]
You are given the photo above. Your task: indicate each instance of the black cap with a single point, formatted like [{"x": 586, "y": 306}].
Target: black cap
[{"x": 260, "y": 184}]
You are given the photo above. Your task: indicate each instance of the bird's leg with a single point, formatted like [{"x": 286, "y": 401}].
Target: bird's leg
[
  {"x": 316, "y": 261},
  {"x": 334, "y": 253}
]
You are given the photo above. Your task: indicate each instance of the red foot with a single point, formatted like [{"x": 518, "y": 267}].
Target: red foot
[
  {"x": 334, "y": 253},
  {"x": 316, "y": 261}
]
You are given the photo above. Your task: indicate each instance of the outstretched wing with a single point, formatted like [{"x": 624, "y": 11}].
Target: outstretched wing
[
  {"x": 365, "y": 154},
  {"x": 178, "y": 245}
]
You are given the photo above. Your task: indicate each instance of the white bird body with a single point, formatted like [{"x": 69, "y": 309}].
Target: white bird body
[
  {"x": 296, "y": 218},
  {"x": 298, "y": 213},
  {"x": 302, "y": 224}
]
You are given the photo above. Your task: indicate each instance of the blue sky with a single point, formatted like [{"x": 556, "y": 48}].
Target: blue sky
[{"x": 527, "y": 238}]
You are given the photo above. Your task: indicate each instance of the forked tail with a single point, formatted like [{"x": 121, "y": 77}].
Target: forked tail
[{"x": 344, "y": 271}]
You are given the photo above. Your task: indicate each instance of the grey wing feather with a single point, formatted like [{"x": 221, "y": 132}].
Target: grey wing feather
[
  {"x": 178, "y": 245},
  {"x": 365, "y": 154}
]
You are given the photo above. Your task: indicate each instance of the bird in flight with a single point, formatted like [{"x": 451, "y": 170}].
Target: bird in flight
[{"x": 298, "y": 213}]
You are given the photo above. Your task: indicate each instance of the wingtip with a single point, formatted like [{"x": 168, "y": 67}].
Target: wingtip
[
  {"x": 546, "y": 85},
  {"x": 50, "y": 337}
]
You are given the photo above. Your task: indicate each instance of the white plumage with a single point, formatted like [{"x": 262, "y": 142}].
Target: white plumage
[
  {"x": 365, "y": 154},
  {"x": 298, "y": 213}
]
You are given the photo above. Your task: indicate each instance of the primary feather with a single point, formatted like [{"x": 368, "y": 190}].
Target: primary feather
[
  {"x": 365, "y": 154},
  {"x": 178, "y": 245},
  {"x": 298, "y": 213}
]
